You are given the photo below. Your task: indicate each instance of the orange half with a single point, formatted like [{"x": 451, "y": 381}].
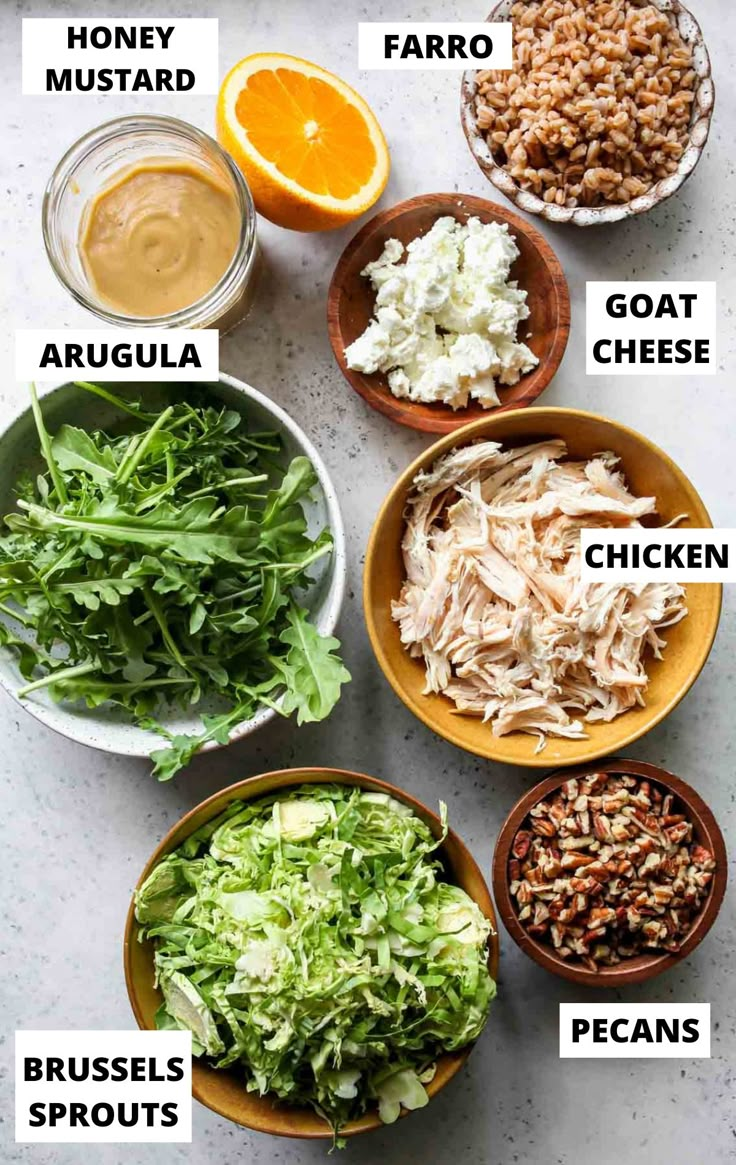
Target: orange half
[{"x": 309, "y": 146}]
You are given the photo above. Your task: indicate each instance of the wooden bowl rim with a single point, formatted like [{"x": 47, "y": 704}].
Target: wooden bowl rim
[
  {"x": 641, "y": 967},
  {"x": 263, "y": 784},
  {"x": 444, "y": 419},
  {"x": 589, "y": 751}
]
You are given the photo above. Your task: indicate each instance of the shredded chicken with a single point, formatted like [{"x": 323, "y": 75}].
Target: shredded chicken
[{"x": 493, "y": 602}]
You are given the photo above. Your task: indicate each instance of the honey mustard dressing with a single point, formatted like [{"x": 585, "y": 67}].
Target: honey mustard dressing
[{"x": 158, "y": 237}]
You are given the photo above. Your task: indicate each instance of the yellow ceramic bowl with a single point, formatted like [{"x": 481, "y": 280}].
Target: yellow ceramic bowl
[
  {"x": 648, "y": 471},
  {"x": 225, "y": 1092}
]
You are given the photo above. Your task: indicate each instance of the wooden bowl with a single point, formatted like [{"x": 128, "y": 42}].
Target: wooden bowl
[
  {"x": 350, "y": 306},
  {"x": 648, "y": 471},
  {"x": 637, "y": 969},
  {"x": 588, "y": 216},
  {"x": 224, "y": 1091}
]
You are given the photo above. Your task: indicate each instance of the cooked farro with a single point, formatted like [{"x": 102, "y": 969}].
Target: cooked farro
[{"x": 598, "y": 106}]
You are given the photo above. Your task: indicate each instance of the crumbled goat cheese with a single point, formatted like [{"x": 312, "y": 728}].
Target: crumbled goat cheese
[{"x": 445, "y": 320}]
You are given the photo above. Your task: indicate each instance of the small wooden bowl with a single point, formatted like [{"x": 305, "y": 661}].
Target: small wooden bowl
[
  {"x": 635, "y": 970},
  {"x": 351, "y": 299},
  {"x": 224, "y": 1091},
  {"x": 649, "y": 471}
]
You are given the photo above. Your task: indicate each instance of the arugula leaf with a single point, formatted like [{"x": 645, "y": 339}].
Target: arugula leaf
[
  {"x": 192, "y": 533},
  {"x": 298, "y": 480},
  {"x": 312, "y": 672},
  {"x": 46, "y": 450},
  {"x": 27, "y": 656},
  {"x": 74, "y": 449},
  {"x": 181, "y": 748},
  {"x": 91, "y": 592}
]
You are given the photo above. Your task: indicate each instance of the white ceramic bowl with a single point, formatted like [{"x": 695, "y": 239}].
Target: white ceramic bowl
[
  {"x": 107, "y": 727},
  {"x": 588, "y": 216}
]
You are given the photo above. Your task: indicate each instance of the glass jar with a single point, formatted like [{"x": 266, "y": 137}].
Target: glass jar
[{"x": 100, "y": 156}]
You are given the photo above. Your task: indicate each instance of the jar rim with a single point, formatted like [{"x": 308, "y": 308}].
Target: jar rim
[{"x": 120, "y": 127}]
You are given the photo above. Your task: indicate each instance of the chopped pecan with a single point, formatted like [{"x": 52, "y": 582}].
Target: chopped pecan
[
  {"x": 524, "y": 894},
  {"x": 568, "y": 843},
  {"x": 678, "y": 833},
  {"x": 553, "y": 868},
  {"x": 575, "y": 860},
  {"x": 702, "y": 857},
  {"x": 544, "y": 827},
  {"x": 541, "y": 913},
  {"x": 613, "y": 804},
  {"x": 601, "y": 827},
  {"x": 601, "y": 916},
  {"x": 558, "y": 934},
  {"x": 620, "y": 831},
  {"x": 522, "y": 841}
]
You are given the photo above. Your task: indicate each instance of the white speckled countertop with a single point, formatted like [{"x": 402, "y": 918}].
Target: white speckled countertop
[{"x": 80, "y": 824}]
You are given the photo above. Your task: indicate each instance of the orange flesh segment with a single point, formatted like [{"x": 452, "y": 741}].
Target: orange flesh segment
[{"x": 332, "y": 156}]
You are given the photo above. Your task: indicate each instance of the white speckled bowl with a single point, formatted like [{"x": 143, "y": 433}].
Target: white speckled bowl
[
  {"x": 584, "y": 216},
  {"x": 106, "y": 727}
]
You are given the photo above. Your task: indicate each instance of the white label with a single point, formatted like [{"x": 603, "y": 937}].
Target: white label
[
  {"x": 647, "y": 328},
  {"x": 434, "y": 45},
  {"x": 636, "y": 1031},
  {"x": 99, "y": 1086},
  {"x": 682, "y": 556},
  {"x": 191, "y": 354},
  {"x": 139, "y": 55}
]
